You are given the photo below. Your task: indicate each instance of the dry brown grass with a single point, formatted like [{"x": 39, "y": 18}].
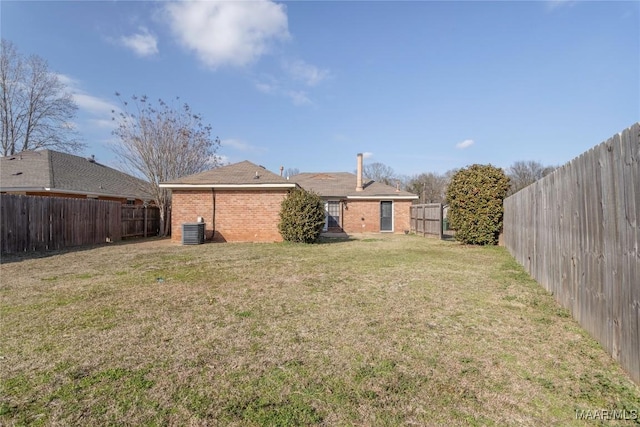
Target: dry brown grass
[{"x": 379, "y": 330}]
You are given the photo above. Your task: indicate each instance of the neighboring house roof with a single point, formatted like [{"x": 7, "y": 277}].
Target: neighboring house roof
[
  {"x": 343, "y": 185},
  {"x": 243, "y": 175},
  {"x": 53, "y": 171}
]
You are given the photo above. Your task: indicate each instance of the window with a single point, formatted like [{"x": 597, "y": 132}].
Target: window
[{"x": 333, "y": 214}]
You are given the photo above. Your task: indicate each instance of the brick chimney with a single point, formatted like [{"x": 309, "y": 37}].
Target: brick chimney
[{"x": 359, "y": 173}]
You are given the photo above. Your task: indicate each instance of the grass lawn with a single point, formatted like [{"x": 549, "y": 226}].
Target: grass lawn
[{"x": 378, "y": 330}]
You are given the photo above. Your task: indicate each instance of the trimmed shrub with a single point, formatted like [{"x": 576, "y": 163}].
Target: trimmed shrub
[
  {"x": 475, "y": 196},
  {"x": 302, "y": 216}
]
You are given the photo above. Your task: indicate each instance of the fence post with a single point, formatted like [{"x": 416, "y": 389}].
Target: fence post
[
  {"x": 440, "y": 225},
  {"x": 145, "y": 220}
]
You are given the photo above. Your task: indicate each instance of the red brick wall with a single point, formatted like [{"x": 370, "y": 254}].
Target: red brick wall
[
  {"x": 187, "y": 206},
  {"x": 363, "y": 216},
  {"x": 402, "y": 215},
  {"x": 240, "y": 215}
]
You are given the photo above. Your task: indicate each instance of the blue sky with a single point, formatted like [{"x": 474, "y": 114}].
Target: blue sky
[{"x": 421, "y": 86}]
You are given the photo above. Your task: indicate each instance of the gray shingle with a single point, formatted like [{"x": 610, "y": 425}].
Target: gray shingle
[
  {"x": 343, "y": 184},
  {"x": 27, "y": 169},
  {"x": 242, "y": 173},
  {"x": 66, "y": 172}
]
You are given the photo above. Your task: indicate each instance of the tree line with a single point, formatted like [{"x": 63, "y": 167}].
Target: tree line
[{"x": 431, "y": 187}]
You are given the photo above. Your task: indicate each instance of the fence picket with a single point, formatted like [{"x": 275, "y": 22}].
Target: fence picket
[
  {"x": 426, "y": 219},
  {"x": 32, "y": 223},
  {"x": 576, "y": 232}
]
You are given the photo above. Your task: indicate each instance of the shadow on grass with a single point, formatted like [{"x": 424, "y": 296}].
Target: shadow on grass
[
  {"x": 449, "y": 236},
  {"x": 334, "y": 237},
  {"x": 333, "y": 240},
  {"x": 23, "y": 256}
]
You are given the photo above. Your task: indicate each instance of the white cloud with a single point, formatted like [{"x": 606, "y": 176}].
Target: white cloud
[
  {"x": 236, "y": 144},
  {"x": 552, "y": 5},
  {"x": 100, "y": 110},
  {"x": 89, "y": 103},
  {"x": 103, "y": 123},
  {"x": 240, "y": 145},
  {"x": 68, "y": 81},
  {"x": 307, "y": 73},
  {"x": 92, "y": 103},
  {"x": 266, "y": 87},
  {"x": 367, "y": 155},
  {"x": 465, "y": 144},
  {"x": 221, "y": 160},
  {"x": 271, "y": 86},
  {"x": 142, "y": 44},
  {"x": 233, "y": 33},
  {"x": 298, "y": 97}
]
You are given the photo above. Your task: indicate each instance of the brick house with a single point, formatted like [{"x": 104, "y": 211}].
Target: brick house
[
  {"x": 238, "y": 203},
  {"x": 55, "y": 174},
  {"x": 357, "y": 205},
  {"x": 241, "y": 202}
]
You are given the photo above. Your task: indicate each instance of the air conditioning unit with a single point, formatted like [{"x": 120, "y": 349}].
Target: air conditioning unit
[{"x": 193, "y": 233}]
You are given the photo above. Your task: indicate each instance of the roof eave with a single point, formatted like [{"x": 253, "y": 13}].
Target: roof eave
[
  {"x": 80, "y": 192},
  {"x": 332, "y": 196},
  {"x": 383, "y": 196},
  {"x": 227, "y": 186},
  {"x": 22, "y": 189}
]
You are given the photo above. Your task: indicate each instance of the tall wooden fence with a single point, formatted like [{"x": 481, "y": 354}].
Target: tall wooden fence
[
  {"x": 426, "y": 219},
  {"x": 31, "y": 223},
  {"x": 140, "y": 221},
  {"x": 576, "y": 232}
]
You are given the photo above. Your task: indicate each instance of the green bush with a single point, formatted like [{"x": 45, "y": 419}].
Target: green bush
[
  {"x": 302, "y": 216},
  {"x": 475, "y": 196}
]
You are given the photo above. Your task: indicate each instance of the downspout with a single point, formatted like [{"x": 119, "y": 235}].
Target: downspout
[{"x": 213, "y": 215}]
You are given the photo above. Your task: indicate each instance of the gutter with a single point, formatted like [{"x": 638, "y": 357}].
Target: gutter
[
  {"x": 59, "y": 190},
  {"x": 227, "y": 186},
  {"x": 382, "y": 197}
]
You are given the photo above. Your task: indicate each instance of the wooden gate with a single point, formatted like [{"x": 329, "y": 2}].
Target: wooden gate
[{"x": 426, "y": 219}]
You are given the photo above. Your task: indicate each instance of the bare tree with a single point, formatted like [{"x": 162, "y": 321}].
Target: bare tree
[
  {"x": 523, "y": 173},
  {"x": 430, "y": 187},
  {"x": 36, "y": 108},
  {"x": 291, "y": 172},
  {"x": 163, "y": 143},
  {"x": 380, "y": 172}
]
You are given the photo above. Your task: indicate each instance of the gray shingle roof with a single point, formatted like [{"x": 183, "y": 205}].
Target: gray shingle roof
[
  {"x": 243, "y": 173},
  {"x": 343, "y": 185},
  {"x": 62, "y": 172}
]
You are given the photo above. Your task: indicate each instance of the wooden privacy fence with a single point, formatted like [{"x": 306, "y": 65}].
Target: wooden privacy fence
[
  {"x": 31, "y": 223},
  {"x": 140, "y": 221},
  {"x": 426, "y": 219},
  {"x": 576, "y": 232}
]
